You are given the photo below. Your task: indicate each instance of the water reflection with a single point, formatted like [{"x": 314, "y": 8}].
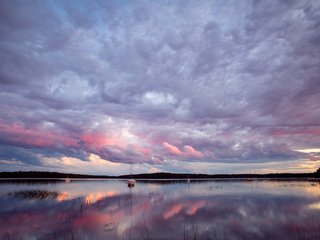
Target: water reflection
[{"x": 179, "y": 210}]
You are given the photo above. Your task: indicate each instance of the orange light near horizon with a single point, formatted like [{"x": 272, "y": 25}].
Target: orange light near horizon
[{"x": 308, "y": 150}]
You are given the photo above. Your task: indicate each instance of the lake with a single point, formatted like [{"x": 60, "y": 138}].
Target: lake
[{"x": 108, "y": 209}]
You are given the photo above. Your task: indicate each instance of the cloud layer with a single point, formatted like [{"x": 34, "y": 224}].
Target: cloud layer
[{"x": 154, "y": 82}]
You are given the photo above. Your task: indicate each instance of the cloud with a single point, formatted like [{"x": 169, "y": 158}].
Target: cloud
[
  {"x": 190, "y": 151},
  {"x": 171, "y": 149},
  {"x": 153, "y": 82}
]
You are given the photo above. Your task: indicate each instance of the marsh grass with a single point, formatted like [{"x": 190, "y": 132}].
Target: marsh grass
[
  {"x": 194, "y": 231},
  {"x": 309, "y": 231},
  {"x": 34, "y": 194}
]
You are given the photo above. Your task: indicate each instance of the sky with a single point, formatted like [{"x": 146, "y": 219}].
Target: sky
[{"x": 222, "y": 86}]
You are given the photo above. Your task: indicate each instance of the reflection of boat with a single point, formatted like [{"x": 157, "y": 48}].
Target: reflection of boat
[
  {"x": 67, "y": 180},
  {"x": 188, "y": 180}
]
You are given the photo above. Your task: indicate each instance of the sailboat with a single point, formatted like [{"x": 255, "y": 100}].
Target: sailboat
[{"x": 131, "y": 181}]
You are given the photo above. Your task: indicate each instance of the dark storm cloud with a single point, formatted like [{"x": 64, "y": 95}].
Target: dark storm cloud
[
  {"x": 148, "y": 81},
  {"x": 9, "y": 153}
]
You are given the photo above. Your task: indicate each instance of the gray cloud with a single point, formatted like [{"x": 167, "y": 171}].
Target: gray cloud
[{"x": 234, "y": 81}]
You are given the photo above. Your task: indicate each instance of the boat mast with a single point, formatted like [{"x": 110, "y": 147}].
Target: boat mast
[{"x": 131, "y": 168}]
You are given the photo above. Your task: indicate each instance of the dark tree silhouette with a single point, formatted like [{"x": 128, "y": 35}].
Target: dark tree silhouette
[{"x": 160, "y": 175}]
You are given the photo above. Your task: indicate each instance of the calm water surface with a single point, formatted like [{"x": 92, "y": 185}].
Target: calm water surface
[{"x": 108, "y": 209}]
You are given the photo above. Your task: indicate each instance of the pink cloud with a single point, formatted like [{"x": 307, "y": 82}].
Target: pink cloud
[
  {"x": 171, "y": 149},
  {"x": 142, "y": 150},
  {"x": 191, "y": 152},
  {"x": 118, "y": 147},
  {"x": 35, "y": 137},
  {"x": 99, "y": 140},
  {"x": 188, "y": 151}
]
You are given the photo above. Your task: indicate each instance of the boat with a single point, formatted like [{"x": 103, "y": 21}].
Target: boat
[{"x": 131, "y": 183}]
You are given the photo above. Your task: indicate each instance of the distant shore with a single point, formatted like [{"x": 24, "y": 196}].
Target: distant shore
[{"x": 35, "y": 175}]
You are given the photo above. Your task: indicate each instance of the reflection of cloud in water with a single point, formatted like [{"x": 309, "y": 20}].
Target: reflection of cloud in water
[
  {"x": 63, "y": 196},
  {"x": 314, "y": 206},
  {"x": 189, "y": 208},
  {"x": 170, "y": 212}
]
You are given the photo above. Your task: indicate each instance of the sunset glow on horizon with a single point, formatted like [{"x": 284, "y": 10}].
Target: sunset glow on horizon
[{"x": 177, "y": 86}]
